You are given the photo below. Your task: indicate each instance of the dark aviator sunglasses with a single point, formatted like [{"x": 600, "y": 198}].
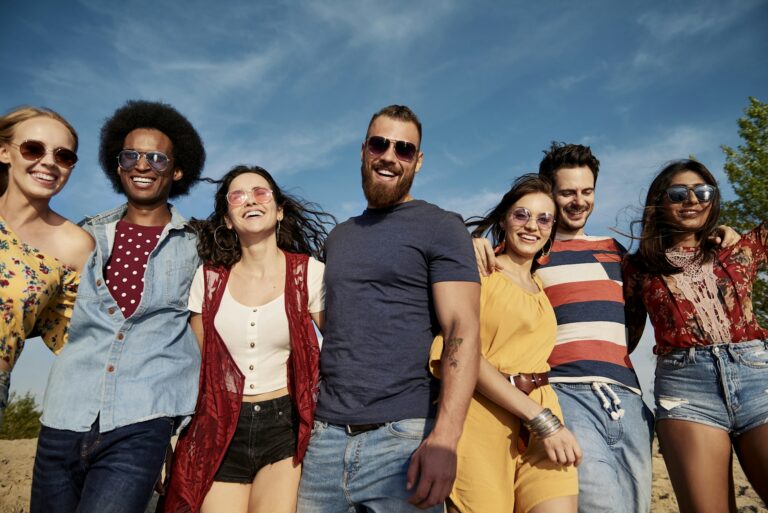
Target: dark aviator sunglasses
[{"x": 404, "y": 150}]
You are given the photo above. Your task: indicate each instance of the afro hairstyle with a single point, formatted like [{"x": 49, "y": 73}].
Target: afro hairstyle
[{"x": 188, "y": 150}]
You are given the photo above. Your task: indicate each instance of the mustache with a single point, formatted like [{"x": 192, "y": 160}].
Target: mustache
[{"x": 576, "y": 210}]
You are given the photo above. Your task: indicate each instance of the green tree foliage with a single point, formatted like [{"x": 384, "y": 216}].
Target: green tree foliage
[
  {"x": 747, "y": 170},
  {"x": 22, "y": 418}
]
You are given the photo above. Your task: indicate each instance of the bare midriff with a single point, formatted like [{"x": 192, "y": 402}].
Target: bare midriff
[{"x": 266, "y": 396}]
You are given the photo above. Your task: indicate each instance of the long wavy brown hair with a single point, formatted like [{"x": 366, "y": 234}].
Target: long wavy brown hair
[
  {"x": 303, "y": 229},
  {"x": 657, "y": 233}
]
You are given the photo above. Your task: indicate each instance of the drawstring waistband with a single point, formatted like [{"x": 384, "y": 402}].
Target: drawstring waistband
[{"x": 615, "y": 410}]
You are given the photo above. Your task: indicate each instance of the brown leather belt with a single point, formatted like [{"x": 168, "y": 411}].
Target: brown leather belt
[{"x": 528, "y": 382}]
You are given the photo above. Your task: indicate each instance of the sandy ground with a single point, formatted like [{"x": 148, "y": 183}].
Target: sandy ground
[{"x": 17, "y": 458}]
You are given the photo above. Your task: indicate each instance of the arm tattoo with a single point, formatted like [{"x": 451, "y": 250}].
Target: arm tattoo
[{"x": 451, "y": 347}]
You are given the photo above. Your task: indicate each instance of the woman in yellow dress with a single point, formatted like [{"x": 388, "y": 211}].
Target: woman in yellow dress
[
  {"x": 40, "y": 251},
  {"x": 514, "y": 453}
]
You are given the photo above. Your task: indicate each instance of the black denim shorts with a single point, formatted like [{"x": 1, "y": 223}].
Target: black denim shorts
[{"x": 266, "y": 433}]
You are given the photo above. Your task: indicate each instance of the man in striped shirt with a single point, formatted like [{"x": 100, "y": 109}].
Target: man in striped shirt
[{"x": 591, "y": 371}]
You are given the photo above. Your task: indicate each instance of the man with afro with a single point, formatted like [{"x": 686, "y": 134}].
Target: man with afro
[{"x": 127, "y": 379}]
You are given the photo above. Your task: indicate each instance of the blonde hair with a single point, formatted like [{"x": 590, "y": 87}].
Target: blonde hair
[{"x": 8, "y": 124}]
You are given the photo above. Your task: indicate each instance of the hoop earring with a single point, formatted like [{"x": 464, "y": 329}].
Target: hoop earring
[
  {"x": 545, "y": 252},
  {"x": 498, "y": 250},
  {"x": 216, "y": 238}
]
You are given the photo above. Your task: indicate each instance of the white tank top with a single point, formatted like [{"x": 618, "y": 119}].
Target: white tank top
[{"x": 257, "y": 337}]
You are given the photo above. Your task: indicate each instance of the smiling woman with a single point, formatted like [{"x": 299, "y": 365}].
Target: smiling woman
[
  {"x": 500, "y": 466},
  {"x": 40, "y": 251},
  {"x": 253, "y": 304},
  {"x": 712, "y": 366}
]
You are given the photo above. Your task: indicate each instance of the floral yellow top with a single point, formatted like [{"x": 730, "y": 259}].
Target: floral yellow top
[{"x": 37, "y": 295}]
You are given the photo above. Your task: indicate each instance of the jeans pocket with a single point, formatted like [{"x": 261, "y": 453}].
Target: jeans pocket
[
  {"x": 286, "y": 418},
  {"x": 318, "y": 427},
  {"x": 673, "y": 361},
  {"x": 412, "y": 429},
  {"x": 755, "y": 358}
]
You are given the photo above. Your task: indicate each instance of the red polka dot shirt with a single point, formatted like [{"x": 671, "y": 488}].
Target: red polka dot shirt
[{"x": 126, "y": 265}]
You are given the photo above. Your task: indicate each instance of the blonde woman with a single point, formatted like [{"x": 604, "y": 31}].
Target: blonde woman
[{"x": 40, "y": 251}]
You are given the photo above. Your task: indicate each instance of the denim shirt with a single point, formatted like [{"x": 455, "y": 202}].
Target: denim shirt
[{"x": 130, "y": 370}]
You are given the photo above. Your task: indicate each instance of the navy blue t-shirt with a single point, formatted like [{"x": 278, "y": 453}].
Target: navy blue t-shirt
[{"x": 380, "y": 316}]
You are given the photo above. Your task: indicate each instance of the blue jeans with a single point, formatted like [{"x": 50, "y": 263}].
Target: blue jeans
[
  {"x": 361, "y": 473},
  {"x": 615, "y": 474},
  {"x": 722, "y": 386},
  {"x": 5, "y": 386},
  {"x": 92, "y": 472}
]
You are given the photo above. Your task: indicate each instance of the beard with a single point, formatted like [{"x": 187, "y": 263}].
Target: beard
[{"x": 380, "y": 195}]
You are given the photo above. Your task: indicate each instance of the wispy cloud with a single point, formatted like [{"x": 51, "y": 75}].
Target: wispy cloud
[
  {"x": 371, "y": 23},
  {"x": 673, "y": 38},
  {"x": 471, "y": 205},
  {"x": 673, "y": 21},
  {"x": 288, "y": 151}
]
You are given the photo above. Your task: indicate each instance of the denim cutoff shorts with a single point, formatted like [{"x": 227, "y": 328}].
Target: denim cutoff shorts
[
  {"x": 723, "y": 386},
  {"x": 266, "y": 433}
]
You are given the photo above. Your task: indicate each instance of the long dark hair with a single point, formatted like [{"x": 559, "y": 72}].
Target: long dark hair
[
  {"x": 303, "y": 228},
  {"x": 491, "y": 223},
  {"x": 657, "y": 234}
]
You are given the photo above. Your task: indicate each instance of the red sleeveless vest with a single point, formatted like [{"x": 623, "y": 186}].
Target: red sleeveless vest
[{"x": 202, "y": 446}]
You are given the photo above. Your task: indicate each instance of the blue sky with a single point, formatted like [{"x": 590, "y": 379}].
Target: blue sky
[{"x": 291, "y": 86}]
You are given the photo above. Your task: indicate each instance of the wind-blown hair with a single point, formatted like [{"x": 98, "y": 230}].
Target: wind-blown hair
[
  {"x": 303, "y": 229},
  {"x": 188, "y": 150},
  {"x": 399, "y": 113},
  {"x": 491, "y": 224},
  {"x": 11, "y": 120},
  {"x": 561, "y": 155},
  {"x": 657, "y": 232}
]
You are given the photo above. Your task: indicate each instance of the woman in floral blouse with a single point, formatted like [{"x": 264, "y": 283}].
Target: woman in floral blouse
[
  {"x": 711, "y": 384},
  {"x": 40, "y": 251}
]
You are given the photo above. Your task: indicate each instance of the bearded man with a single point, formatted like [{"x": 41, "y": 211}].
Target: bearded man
[{"x": 386, "y": 431}]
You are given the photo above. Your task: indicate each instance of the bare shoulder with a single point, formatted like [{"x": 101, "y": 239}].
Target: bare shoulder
[{"x": 74, "y": 244}]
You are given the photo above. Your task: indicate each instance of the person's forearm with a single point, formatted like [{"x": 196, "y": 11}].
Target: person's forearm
[
  {"x": 493, "y": 385},
  {"x": 459, "y": 368}
]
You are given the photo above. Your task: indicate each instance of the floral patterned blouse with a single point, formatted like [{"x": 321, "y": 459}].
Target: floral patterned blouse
[
  {"x": 674, "y": 319},
  {"x": 37, "y": 294}
]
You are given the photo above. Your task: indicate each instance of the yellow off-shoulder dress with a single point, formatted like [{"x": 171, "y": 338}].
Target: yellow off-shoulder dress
[
  {"x": 37, "y": 295},
  {"x": 517, "y": 333}
]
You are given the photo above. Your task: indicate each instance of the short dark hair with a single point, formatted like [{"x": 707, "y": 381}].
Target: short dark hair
[
  {"x": 400, "y": 113},
  {"x": 657, "y": 233},
  {"x": 491, "y": 223},
  {"x": 188, "y": 150},
  {"x": 561, "y": 155}
]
